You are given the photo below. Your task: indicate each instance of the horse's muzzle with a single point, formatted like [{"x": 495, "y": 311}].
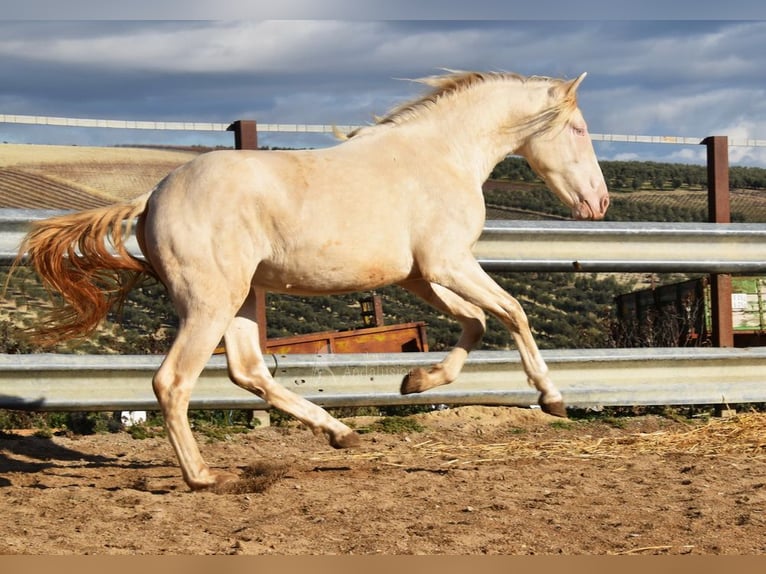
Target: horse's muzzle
[{"x": 591, "y": 210}]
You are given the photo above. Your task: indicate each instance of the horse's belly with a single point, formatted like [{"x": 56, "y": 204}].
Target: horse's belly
[{"x": 323, "y": 277}]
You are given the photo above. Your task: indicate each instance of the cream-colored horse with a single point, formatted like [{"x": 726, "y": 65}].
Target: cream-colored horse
[{"x": 399, "y": 202}]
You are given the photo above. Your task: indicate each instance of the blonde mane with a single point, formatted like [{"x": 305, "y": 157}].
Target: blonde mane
[{"x": 456, "y": 82}]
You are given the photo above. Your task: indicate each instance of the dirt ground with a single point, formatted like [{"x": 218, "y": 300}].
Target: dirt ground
[{"x": 475, "y": 480}]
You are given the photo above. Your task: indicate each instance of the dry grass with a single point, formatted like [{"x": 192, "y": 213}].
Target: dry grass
[{"x": 738, "y": 435}]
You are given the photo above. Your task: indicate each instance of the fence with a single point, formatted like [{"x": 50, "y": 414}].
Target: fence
[
  {"x": 590, "y": 378},
  {"x": 586, "y": 377},
  {"x": 563, "y": 245},
  {"x": 310, "y": 128}
]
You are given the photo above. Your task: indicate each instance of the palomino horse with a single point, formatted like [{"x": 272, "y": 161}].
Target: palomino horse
[{"x": 299, "y": 222}]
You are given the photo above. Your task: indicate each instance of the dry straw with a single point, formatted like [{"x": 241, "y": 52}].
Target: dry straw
[{"x": 744, "y": 434}]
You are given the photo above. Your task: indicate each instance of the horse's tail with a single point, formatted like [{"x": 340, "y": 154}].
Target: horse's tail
[{"x": 82, "y": 256}]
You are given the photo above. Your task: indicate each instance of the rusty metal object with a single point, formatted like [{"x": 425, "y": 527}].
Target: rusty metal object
[{"x": 401, "y": 338}]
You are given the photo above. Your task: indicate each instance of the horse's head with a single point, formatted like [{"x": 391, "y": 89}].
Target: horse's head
[{"x": 561, "y": 153}]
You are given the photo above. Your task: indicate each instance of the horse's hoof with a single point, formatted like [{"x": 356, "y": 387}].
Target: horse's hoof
[
  {"x": 413, "y": 381},
  {"x": 215, "y": 481},
  {"x": 556, "y": 408},
  {"x": 347, "y": 440}
]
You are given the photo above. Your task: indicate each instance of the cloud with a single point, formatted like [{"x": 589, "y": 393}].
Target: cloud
[
  {"x": 281, "y": 47},
  {"x": 180, "y": 9},
  {"x": 688, "y": 78},
  {"x": 391, "y": 9},
  {"x": 206, "y": 48}
]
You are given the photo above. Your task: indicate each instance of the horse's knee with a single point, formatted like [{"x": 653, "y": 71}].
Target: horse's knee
[{"x": 163, "y": 383}]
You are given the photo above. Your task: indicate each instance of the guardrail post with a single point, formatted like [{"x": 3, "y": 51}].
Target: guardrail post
[{"x": 719, "y": 211}]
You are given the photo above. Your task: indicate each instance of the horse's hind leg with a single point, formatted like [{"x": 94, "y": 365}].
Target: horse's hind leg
[
  {"x": 248, "y": 370},
  {"x": 198, "y": 335},
  {"x": 471, "y": 318}
]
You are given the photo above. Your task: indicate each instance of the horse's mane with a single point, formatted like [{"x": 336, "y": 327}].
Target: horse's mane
[{"x": 455, "y": 82}]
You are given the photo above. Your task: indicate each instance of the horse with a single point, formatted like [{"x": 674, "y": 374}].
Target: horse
[{"x": 299, "y": 222}]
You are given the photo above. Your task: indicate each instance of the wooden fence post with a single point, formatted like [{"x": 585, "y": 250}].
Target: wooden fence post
[
  {"x": 246, "y": 137},
  {"x": 245, "y": 134},
  {"x": 719, "y": 211}
]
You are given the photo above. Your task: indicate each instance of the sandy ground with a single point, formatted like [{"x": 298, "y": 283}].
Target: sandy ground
[{"x": 475, "y": 480}]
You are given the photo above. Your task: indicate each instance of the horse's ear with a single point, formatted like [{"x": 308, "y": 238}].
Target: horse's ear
[
  {"x": 574, "y": 84},
  {"x": 566, "y": 89}
]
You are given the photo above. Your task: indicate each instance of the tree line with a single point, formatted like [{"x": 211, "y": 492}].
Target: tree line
[
  {"x": 637, "y": 175},
  {"x": 537, "y": 199}
]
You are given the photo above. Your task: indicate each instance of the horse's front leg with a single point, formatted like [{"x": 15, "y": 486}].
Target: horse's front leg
[
  {"x": 466, "y": 278},
  {"x": 473, "y": 322}
]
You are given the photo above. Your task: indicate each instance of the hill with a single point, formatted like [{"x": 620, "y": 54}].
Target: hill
[
  {"x": 639, "y": 191},
  {"x": 73, "y": 177},
  {"x": 24, "y": 189}
]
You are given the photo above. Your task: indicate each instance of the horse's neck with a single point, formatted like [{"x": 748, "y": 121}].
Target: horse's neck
[{"x": 474, "y": 132}]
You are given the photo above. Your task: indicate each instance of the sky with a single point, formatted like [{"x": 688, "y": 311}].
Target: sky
[{"x": 656, "y": 76}]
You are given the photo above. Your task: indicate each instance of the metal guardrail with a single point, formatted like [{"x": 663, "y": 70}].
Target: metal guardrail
[
  {"x": 623, "y": 247},
  {"x": 566, "y": 245},
  {"x": 586, "y": 378},
  {"x": 15, "y": 222}
]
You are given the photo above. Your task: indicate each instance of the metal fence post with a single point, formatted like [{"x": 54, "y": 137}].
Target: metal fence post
[{"x": 719, "y": 211}]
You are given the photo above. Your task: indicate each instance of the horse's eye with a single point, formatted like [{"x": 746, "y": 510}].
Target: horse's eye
[{"x": 578, "y": 130}]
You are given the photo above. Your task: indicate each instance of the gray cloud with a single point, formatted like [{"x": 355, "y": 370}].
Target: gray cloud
[
  {"x": 690, "y": 78},
  {"x": 390, "y": 9}
]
